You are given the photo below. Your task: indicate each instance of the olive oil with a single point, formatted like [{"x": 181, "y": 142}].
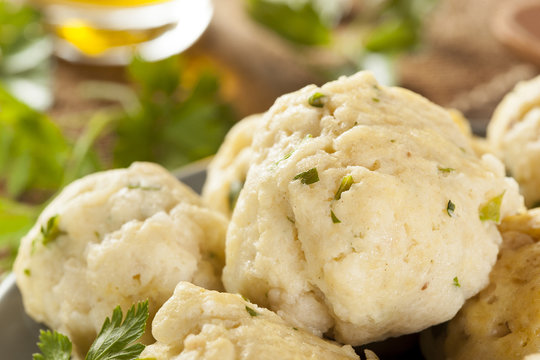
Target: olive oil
[{"x": 110, "y": 32}]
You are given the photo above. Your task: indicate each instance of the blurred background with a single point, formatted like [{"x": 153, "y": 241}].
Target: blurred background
[{"x": 89, "y": 85}]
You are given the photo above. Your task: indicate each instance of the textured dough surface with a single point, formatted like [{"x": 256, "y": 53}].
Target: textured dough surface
[
  {"x": 124, "y": 236},
  {"x": 388, "y": 266},
  {"x": 502, "y": 322},
  {"x": 514, "y": 134},
  {"x": 226, "y": 173},
  {"x": 199, "y": 324}
]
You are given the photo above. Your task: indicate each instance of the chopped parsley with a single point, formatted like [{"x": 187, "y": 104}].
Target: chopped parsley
[
  {"x": 308, "y": 177},
  {"x": 335, "y": 220},
  {"x": 445, "y": 170},
  {"x": 456, "y": 282},
  {"x": 492, "y": 209},
  {"x": 375, "y": 99},
  {"x": 345, "y": 185},
  {"x": 450, "y": 207},
  {"x": 234, "y": 192},
  {"x": 251, "y": 312},
  {"x": 285, "y": 157},
  {"x": 51, "y": 230},
  {"x": 27, "y": 272},
  {"x": 142, "y": 187},
  {"x": 317, "y": 100}
]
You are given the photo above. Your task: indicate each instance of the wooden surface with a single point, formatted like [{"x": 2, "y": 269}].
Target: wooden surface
[{"x": 460, "y": 64}]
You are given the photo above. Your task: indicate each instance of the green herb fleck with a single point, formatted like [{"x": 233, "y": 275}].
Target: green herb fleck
[
  {"x": 53, "y": 345},
  {"x": 27, "y": 272},
  {"x": 375, "y": 99},
  {"x": 392, "y": 140},
  {"x": 317, "y": 100},
  {"x": 145, "y": 188},
  {"x": 285, "y": 157},
  {"x": 450, "y": 207},
  {"x": 456, "y": 282},
  {"x": 345, "y": 185},
  {"x": 335, "y": 220},
  {"x": 445, "y": 170},
  {"x": 51, "y": 231},
  {"x": 251, "y": 312},
  {"x": 492, "y": 209},
  {"x": 308, "y": 177},
  {"x": 295, "y": 328},
  {"x": 234, "y": 192}
]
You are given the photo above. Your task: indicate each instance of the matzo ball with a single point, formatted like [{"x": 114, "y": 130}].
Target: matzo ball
[
  {"x": 367, "y": 214},
  {"x": 207, "y": 325},
  {"x": 116, "y": 238}
]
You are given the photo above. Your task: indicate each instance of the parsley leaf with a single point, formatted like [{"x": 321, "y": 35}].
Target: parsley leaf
[
  {"x": 450, "y": 207},
  {"x": 335, "y": 220},
  {"x": 51, "y": 231},
  {"x": 456, "y": 282},
  {"x": 115, "y": 340},
  {"x": 445, "y": 170},
  {"x": 251, "y": 312},
  {"x": 345, "y": 185},
  {"x": 492, "y": 209},
  {"x": 143, "y": 187},
  {"x": 317, "y": 99},
  {"x": 300, "y": 24},
  {"x": 308, "y": 177},
  {"x": 53, "y": 345}
]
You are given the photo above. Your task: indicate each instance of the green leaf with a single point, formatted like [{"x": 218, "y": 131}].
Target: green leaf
[
  {"x": 345, "y": 185},
  {"x": 34, "y": 152},
  {"x": 53, "y": 346},
  {"x": 251, "y": 312},
  {"x": 491, "y": 211},
  {"x": 456, "y": 282},
  {"x": 115, "y": 340},
  {"x": 335, "y": 219},
  {"x": 18, "y": 177},
  {"x": 308, "y": 177},
  {"x": 450, "y": 207},
  {"x": 317, "y": 100},
  {"x": 300, "y": 24},
  {"x": 176, "y": 125},
  {"x": 393, "y": 35},
  {"x": 15, "y": 221},
  {"x": 51, "y": 230},
  {"x": 155, "y": 77},
  {"x": 446, "y": 170}
]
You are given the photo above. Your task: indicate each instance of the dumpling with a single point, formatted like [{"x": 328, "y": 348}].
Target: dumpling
[
  {"x": 115, "y": 238},
  {"x": 366, "y": 214},
  {"x": 199, "y": 324}
]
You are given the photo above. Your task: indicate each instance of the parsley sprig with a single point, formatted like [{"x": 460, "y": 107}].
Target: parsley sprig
[
  {"x": 308, "y": 177},
  {"x": 115, "y": 341}
]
